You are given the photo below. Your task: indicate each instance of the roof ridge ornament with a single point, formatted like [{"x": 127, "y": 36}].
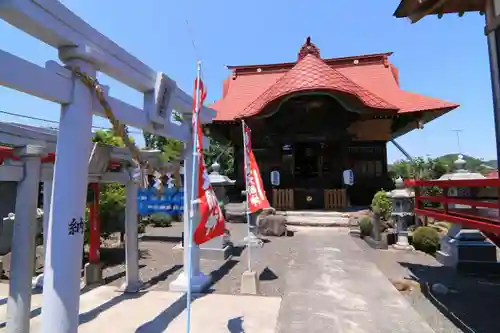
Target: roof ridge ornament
[{"x": 308, "y": 48}]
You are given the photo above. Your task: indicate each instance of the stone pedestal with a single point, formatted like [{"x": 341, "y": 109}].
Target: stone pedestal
[
  {"x": 199, "y": 283},
  {"x": 218, "y": 248},
  {"x": 462, "y": 245},
  {"x": 249, "y": 283},
  {"x": 92, "y": 273},
  {"x": 402, "y": 242}
]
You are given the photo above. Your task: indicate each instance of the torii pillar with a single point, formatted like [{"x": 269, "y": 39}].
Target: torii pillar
[
  {"x": 23, "y": 241},
  {"x": 63, "y": 259}
]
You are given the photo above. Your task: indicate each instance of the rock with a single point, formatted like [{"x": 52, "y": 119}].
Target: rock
[
  {"x": 439, "y": 288},
  {"x": 271, "y": 225},
  {"x": 353, "y": 221},
  {"x": 353, "y": 225},
  {"x": 401, "y": 285}
]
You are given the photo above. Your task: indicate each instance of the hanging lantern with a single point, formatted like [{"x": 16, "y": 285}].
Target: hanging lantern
[{"x": 420, "y": 124}]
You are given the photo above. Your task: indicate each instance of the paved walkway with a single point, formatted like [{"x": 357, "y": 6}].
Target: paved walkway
[
  {"x": 331, "y": 287},
  {"x": 106, "y": 310}
]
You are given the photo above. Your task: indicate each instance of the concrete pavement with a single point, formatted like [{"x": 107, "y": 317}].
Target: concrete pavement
[
  {"x": 332, "y": 288},
  {"x": 106, "y": 310}
]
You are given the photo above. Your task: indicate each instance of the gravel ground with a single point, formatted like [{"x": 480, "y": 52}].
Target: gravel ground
[
  {"x": 160, "y": 263},
  {"x": 471, "y": 305}
]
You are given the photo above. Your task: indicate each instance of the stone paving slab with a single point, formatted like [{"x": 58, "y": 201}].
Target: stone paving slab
[
  {"x": 104, "y": 309},
  {"x": 332, "y": 287}
]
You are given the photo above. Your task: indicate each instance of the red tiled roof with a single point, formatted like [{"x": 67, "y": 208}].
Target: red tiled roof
[
  {"x": 311, "y": 73},
  {"x": 374, "y": 83}
]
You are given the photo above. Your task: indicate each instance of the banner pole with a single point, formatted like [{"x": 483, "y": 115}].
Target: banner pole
[
  {"x": 247, "y": 205},
  {"x": 194, "y": 187}
]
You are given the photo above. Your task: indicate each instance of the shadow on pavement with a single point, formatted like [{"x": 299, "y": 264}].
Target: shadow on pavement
[
  {"x": 222, "y": 271},
  {"x": 92, "y": 314},
  {"x": 165, "y": 239},
  {"x": 160, "y": 323},
  {"x": 162, "y": 276},
  {"x": 235, "y": 325},
  {"x": 116, "y": 276},
  {"x": 471, "y": 302},
  {"x": 267, "y": 275}
]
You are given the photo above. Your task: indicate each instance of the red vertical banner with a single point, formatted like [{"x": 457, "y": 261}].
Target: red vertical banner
[
  {"x": 212, "y": 223},
  {"x": 256, "y": 196}
]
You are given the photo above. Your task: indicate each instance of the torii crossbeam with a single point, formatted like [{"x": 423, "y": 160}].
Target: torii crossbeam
[{"x": 81, "y": 48}]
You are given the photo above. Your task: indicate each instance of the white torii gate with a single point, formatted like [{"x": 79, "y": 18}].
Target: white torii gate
[{"x": 82, "y": 46}]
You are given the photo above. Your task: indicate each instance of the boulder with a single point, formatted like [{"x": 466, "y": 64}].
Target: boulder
[{"x": 270, "y": 224}]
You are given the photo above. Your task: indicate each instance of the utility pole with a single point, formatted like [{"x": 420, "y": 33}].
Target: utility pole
[{"x": 458, "y": 132}]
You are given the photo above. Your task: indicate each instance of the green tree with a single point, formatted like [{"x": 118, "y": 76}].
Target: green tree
[
  {"x": 419, "y": 168},
  {"x": 222, "y": 154},
  {"x": 172, "y": 148},
  {"x": 112, "y": 196}
]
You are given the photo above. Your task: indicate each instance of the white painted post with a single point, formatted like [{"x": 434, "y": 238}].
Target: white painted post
[
  {"x": 63, "y": 260},
  {"x": 47, "y": 199},
  {"x": 23, "y": 242},
  {"x": 132, "y": 279},
  {"x": 199, "y": 281}
]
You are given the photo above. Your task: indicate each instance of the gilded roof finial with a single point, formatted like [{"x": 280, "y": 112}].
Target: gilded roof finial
[{"x": 308, "y": 48}]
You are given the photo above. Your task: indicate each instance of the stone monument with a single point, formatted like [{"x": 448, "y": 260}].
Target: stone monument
[
  {"x": 463, "y": 245},
  {"x": 402, "y": 212}
]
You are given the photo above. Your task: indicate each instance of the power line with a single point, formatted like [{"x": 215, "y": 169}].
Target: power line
[
  {"x": 55, "y": 121},
  {"x": 191, "y": 36},
  {"x": 458, "y": 132}
]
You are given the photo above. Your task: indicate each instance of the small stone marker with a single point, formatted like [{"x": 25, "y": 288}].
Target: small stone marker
[{"x": 249, "y": 283}]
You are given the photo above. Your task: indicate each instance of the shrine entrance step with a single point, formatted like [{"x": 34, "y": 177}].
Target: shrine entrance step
[{"x": 316, "y": 218}]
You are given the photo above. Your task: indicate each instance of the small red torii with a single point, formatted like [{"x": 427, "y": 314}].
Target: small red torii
[{"x": 7, "y": 153}]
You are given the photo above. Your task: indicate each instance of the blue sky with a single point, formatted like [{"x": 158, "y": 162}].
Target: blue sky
[{"x": 445, "y": 58}]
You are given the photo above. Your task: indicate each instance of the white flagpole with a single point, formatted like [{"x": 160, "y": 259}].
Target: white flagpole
[
  {"x": 247, "y": 204},
  {"x": 194, "y": 197}
]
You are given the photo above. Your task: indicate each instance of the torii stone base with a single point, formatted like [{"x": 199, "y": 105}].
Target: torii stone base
[{"x": 92, "y": 273}]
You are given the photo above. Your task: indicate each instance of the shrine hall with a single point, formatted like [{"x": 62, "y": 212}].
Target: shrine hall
[{"x": 313, "y": 118}]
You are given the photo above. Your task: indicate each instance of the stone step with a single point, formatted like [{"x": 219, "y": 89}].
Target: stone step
[
  {"x": 317, "y": 221},
  {"x": 313, "y": 213}
]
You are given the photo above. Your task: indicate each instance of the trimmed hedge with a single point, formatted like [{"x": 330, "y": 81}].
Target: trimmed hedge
[
  {"x": 365, "y": 226},
  {"x": 426, "y": 239}
]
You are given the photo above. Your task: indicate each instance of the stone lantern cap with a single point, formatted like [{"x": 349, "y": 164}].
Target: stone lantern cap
[
  {"x": 461, "y": 172},
  {"x": 400, "y": 192},
  {"x": 217, "y": 179}
]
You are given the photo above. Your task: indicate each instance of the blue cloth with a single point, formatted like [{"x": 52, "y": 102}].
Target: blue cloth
[{"x": 169, "y": 200}]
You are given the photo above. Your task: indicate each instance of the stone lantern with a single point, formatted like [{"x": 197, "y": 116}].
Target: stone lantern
[
  {"x": 219, "y": 247},
  {"x": 402, "y": 200},
  {"x": 462, "y": 244}
]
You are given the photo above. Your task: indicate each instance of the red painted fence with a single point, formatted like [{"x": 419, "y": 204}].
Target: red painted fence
[{"x": 482, "y": 213}]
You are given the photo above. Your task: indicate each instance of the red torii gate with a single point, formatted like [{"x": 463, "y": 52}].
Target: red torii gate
[{"x": 7, "y": 153}]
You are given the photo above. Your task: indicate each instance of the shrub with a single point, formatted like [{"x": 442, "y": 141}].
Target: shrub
[
  {"x": 160, "y": 220},
  {"x": 112, "y": 209},
  {"x": 381, "y": 205},
  {"x": 365, "y": 226},
  {"x": 426, "y": 239}
]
